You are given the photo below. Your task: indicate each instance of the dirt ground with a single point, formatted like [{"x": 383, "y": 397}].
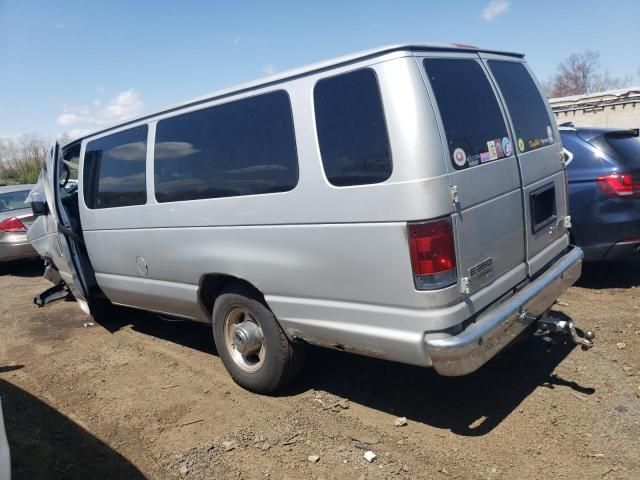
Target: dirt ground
[{"x": 139, "y": 397}]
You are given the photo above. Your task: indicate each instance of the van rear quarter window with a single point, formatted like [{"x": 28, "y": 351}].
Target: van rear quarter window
[
  {"x": 473, "y": 123},
  {"x": 245, "y": 147},
  {"x": 114, "y": 169},
  {"x": 352, "y": 133},
  {"x": 525, "y": 104}
]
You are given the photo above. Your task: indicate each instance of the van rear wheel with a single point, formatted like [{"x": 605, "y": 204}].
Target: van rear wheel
[{"x": 253, "y": 348}]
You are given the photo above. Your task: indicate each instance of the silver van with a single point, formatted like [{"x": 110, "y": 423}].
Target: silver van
[{"x": 407, "y": 203}]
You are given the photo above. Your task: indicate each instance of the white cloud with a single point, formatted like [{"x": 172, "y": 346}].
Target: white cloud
[
  {"x": 269, "y": 69},
  {"x": 124, "y": 105},
  {"x": 494, "y": 8}
]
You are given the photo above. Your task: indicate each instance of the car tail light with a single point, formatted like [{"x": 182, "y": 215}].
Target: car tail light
[
  {"x": 433, "y": 255},
  {"x": 619, "y": 185},
  {"x": 12, "y": 225}
]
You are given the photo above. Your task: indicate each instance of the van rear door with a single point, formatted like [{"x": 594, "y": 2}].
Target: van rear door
[
  {"x": 539, "y": 152},
  {"x": 483, "y": 169}
]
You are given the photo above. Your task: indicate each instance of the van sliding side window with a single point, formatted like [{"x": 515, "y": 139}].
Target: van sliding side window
[
  {"x": 473, "y": 123},
  {"x": 244, "y": 147}
]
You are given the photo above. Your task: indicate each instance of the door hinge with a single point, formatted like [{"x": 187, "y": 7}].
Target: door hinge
[
  {"x": 454, "y": 195},
  {"x": 464, "y": 285},
  {"x": 567, "y": 221}
]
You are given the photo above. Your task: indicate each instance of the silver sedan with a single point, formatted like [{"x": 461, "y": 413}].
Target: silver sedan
[{"x": 15, "y": 219}]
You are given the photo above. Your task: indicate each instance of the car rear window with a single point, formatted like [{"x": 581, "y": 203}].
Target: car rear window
[
  {"x": 525, "y": 104},
  {"x": 622, "y": 145},
  {"x": 473, "y": 123},
  {"x": 13, "y": 200}
]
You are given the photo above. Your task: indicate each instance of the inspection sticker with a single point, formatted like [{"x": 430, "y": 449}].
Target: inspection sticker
[{"x": 521, "y": 144}]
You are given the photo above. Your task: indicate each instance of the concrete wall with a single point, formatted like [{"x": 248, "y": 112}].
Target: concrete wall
[{"x": 619, "y": 116}]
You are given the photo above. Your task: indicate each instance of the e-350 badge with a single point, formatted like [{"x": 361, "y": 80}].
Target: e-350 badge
[{"x": 484, "y": 269}]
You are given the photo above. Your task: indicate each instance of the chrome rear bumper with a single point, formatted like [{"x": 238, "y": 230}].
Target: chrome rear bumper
[{"x": 496, "y": 328}]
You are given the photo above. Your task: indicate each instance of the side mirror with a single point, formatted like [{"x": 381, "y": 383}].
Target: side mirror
[{"x": 39, "y": 208}]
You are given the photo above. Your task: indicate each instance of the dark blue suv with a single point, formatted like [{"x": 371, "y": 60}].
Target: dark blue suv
[{"x": 603, "y": 170}]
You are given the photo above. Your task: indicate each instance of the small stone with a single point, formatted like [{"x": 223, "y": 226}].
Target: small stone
[
  {"x": 638, "y": 391},
  {"x": 621, "y": 409},
  {"x": 400, "y": 422},
  {"x": 265, "y": 446},
  {"x": 369, "y": 456},
  {"x": 228, "y": 445},
  {"x": 343, "y": 404},
  {"x": 621, "y": 345},
  {"x": 183, "y": 470},
  {"x": 562, "y": 304},
  {"x": 444, "y": 470},
  {"x": 313, "y": 458},
  {"x": 405, "y": 468}
]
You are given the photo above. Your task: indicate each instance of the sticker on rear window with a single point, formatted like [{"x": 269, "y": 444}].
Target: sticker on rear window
[
  {"x": 473, "y": 160},
  {"x": 549, "y": 134},
  {"x": 484, "y": 157},
  {"x": 521, "y": 145},
  {"x": 506, "y": 146},
  {"x": 493, "y": 152},
  {"x": 459, "y": 157}
]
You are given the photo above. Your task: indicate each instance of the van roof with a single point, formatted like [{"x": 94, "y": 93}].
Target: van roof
[{"x": 301, "y": 72}]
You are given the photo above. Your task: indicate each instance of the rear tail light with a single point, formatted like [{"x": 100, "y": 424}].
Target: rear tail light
[
  {"x": 12, "y": 225},
  {"x": 433, "y": 255},
  {"x": 619, "y": 185}
]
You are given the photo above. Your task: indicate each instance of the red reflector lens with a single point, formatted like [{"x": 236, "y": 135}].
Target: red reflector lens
[
  {"x": 619, "y": 185},
  {"x": 12, "y": 225},
  {"x": 432, "y": 253}
]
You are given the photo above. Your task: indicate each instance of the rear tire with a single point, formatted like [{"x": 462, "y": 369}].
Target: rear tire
[{"x": 252, "y": 345}]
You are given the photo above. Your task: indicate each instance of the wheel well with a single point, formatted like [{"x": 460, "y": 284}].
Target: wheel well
[{"x": 212, "y": 284}]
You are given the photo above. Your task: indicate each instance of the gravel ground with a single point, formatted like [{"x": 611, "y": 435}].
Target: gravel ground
[{"x": 139, "y": 397}]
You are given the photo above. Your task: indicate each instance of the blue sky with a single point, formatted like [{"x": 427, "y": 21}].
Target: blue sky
[{"x": 76, "y": 65}]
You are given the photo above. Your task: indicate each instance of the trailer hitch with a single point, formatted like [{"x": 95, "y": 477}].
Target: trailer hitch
[{"x": 548, "y": 324}]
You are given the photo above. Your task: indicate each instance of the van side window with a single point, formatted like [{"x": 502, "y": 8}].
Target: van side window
[
  {"x": 527, "y": 109},
  {"x": 245, "y": 147},
  {"x": 114, "y": 169},
  {"x": 352, "y": 133},
  {"x": 473, "y": 123}
]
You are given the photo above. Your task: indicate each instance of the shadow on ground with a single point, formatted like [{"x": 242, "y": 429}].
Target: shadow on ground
[
  {"x": 611, "y": 274},
  {"x": 45, "y": 444},
  {"x": 195, "y": 335},
  {"x": 472, "y": 405},
  {"x": 23, "y": 268}
]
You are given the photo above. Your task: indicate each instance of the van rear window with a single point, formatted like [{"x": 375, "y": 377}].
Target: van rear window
[
  {"x": 473, "y": 123},
  {"x": 245, "y": 147},
  {"x": 525, "y": 104}
]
